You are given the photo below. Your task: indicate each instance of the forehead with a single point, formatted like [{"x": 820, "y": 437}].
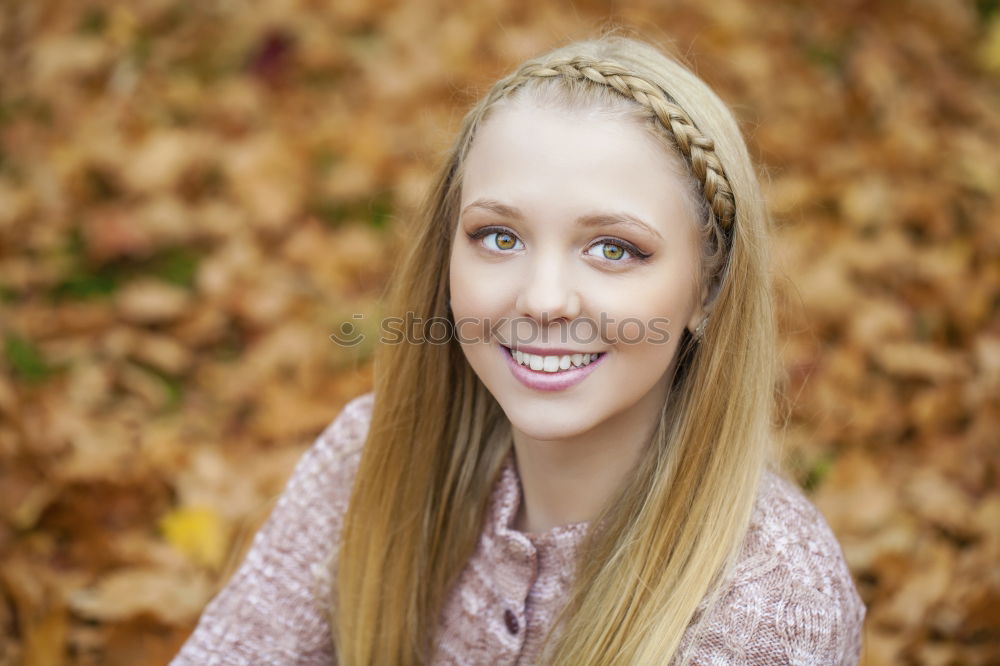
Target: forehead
[{"x": 560, "y": 162}]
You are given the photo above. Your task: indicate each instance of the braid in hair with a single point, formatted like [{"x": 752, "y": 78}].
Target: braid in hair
[{"x": 697, "y": 150}]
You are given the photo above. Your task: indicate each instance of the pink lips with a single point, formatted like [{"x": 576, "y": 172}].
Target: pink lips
[{"x": 549, "y": 381}]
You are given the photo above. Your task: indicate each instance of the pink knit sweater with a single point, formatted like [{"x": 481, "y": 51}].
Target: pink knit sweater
[{"x": 789, "y": 600}]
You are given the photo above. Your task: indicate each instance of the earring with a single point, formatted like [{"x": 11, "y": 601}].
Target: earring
[{"x": 699, "y": 332}]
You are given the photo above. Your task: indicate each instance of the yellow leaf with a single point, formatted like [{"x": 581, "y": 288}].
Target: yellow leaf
[
  {"x": 989, "y": 50},
  {"x": 198, "y": 532}
]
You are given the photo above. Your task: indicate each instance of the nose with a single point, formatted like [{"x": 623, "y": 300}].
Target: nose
[{"x": 548, "y": 293}]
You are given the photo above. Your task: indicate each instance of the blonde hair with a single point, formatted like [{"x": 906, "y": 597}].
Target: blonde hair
[{"x": 438, "y": 438}]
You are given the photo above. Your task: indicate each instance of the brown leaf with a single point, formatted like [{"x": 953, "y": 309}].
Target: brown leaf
[
  {"x": 914, "y": 360},
  {"x": 147, "y": 301},
  {"x": 173, "y": 597}
]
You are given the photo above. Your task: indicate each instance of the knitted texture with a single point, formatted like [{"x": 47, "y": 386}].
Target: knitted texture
[{"x": 789, "y": 599}]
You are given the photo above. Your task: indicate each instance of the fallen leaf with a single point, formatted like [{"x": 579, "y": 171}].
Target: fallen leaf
[
  {"x": 171, "y": 596},
  {"x": 198, "y": 532},
  {"x": 147, "y": 301}
]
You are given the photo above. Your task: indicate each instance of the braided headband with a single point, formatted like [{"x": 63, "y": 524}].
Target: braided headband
[{"x": 698, "y": 150}]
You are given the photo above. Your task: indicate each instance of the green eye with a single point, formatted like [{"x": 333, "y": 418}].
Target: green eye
[
  {"x": 497, "y": 240},
  {"x": 612, "y": 251},
  {"x": 609, "y": 250}
]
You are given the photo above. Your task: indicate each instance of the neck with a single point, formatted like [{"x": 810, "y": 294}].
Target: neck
[{"x": 570, "y": 480}]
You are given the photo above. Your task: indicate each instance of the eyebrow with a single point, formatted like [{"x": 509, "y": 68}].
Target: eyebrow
[{"x": 591, "y": 220}]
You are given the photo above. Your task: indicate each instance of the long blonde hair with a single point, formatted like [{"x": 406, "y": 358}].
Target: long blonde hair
[{"x": 438, "y": 439}]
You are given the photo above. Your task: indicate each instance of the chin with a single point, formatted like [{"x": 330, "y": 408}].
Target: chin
[{"x": 551, "y": 426}]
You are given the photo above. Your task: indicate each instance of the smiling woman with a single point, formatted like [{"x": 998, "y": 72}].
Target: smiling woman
[
  {"x": 585, "y": 475},
  {"x": 573, "y": 178}
]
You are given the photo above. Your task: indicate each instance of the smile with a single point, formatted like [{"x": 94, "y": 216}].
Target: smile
[
  {"x": 551, "y": 372},
  {"x": 553, "y": 363}
]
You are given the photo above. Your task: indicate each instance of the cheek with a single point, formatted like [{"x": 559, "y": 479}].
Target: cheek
[
  {"x": 476, "y": 302},
  {"x": 466, "y": 296},
  {"x": 653, "y": 314}
]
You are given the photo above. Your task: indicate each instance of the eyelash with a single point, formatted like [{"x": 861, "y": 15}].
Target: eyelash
[{"x": 634, "y": 252}]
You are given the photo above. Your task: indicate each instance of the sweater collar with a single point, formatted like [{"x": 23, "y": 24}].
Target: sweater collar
[{"x": 511, "y": 496}]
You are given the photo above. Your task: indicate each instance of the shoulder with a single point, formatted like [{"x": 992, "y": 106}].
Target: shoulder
[
  {"x": 352, "y": 422},
  {"x": 322, "y": 479},
  {"x": 274, "y": 608},
  {"x": 787, "y": 526},
  {"x": 342, "y": 440},
  {"x": 790, "y": 596}
]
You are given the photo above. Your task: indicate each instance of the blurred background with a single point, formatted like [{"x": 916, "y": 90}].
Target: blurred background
[{"x": 195, "y": 194}]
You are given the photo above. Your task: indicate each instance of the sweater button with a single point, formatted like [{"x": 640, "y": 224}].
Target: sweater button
[{"x": 510, "y": 620}]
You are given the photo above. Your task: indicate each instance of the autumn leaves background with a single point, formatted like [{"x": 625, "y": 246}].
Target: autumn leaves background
[{"x": 194, "y": 195}]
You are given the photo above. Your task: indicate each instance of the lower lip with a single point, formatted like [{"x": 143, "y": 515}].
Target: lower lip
[{"x": 549, "y": 381}]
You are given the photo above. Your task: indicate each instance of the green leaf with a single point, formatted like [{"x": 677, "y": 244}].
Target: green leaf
[
  {"x": 81, "y": 286},
  {"x": 817, "y": 472},
  {"x": 380, "y": 210},
  {"x": 93, "y": 22},
  {"x": 986, "y": 9},
  {"x": 178, "y": 265},
  {"x": 25, "y": 359}
]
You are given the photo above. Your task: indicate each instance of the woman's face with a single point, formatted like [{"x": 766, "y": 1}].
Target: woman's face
[{"x": 574, "y": 239}]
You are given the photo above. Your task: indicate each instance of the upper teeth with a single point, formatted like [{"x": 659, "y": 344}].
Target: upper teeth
[{"x": 552, "y": 363}]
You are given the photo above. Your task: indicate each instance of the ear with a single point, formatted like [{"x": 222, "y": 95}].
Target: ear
[{"x": 702, "y": 309}]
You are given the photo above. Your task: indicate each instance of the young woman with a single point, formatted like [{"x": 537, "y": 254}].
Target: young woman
[{"x": 583, "y": 472}]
